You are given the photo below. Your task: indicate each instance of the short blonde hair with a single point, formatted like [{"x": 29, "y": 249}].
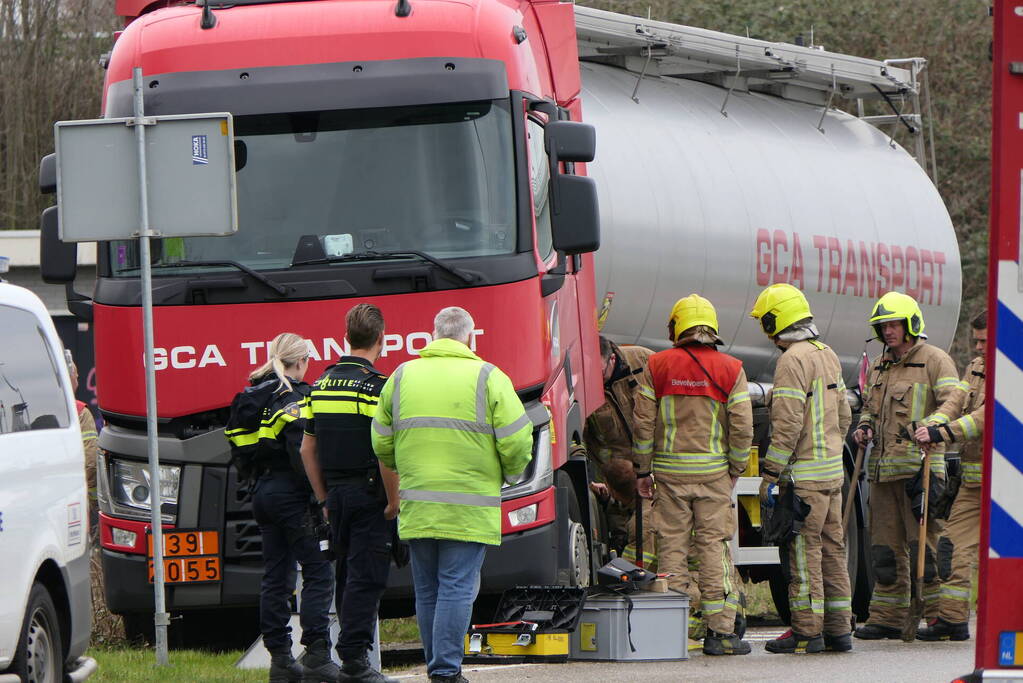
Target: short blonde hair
[{"x": 286, "y": 350}]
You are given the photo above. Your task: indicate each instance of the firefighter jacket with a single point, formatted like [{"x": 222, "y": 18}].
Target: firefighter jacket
[
  {"x": 809, "y": 418},
  {"x": 968, "y": 429},
  {"x": 608, "y": 432},
  {"x": 273, "y": 440},
  {"x": 915, "y": 388},
  {"x": 342, "y": 405},
  {"x": 453, "y": 428},
  {"x": 693, "y": 415}
]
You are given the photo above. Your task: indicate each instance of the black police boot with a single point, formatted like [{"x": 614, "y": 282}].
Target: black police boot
[
  {"x": 840, "y": 643},
  {"x": 939, "y": 629},
  {"x": 358, "y": 670},
  {"x": 457, "y": 678},
  {"x": 724, "y": 644},
  {"x": 792, "y": 643},
  {"x": 317, "y": 666},
  {"x": 284, "y": 668},
  {"x": 878, "y": 632}
]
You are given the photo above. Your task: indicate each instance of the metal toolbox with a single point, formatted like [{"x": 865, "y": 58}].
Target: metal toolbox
[{"x": 659, "y": 627}]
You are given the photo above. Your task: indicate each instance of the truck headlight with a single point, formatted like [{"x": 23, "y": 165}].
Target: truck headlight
[
  {"x": 131, "y": 491},
  {"x": 538, "y": 475}
]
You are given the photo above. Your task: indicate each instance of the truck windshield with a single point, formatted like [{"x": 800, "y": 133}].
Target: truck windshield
[{"x": 437, "y": 179}]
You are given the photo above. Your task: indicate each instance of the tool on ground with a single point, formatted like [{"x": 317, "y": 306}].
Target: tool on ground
[
  {"x": 916, "y": 607},
  {"x": 853, "y": 485}
]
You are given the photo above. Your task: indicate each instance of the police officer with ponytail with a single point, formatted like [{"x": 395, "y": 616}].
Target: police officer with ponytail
[{"x": 265, "y": 430}]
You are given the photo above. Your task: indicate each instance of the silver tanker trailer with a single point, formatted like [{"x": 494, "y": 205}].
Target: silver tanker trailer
[{"x": 723, "y": 168}]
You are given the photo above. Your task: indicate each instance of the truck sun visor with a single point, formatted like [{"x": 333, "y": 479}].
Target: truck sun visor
[{"x": 317, "y": 87}]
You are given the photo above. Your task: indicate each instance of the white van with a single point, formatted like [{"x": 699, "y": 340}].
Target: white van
[{"x": 46, "y": 601}]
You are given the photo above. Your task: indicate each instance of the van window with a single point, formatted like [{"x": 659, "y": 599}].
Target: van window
[{"x": 31, "y": 394}]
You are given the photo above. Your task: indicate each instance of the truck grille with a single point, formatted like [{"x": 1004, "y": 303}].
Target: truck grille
[{"x": 242, "y": 540}]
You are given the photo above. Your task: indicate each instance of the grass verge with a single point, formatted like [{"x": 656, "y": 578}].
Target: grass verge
[{"x": 122, "y": 665}]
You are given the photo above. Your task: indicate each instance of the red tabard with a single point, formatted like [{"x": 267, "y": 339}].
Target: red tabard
[{"x": 675, "y": 372}]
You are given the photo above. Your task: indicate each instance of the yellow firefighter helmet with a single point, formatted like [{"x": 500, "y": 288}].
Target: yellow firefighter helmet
[
  {"x": 897, "y": 306},
  {"x": 689, "y": 312},
  {"x": 778, "y": 307}
]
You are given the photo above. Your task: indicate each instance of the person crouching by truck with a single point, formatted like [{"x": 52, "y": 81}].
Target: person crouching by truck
[
  {"x": 694, "y": 429},
  {"x": 608, "y": 430},
  {"x": 809, "y": 419},
  {"x": 454, "y": 429},
  {"x": 265, "y": 430},
  {"x": 360, "y": 495}
]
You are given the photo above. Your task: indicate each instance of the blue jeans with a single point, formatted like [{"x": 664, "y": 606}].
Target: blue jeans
[{"x": 446, "y": 575}]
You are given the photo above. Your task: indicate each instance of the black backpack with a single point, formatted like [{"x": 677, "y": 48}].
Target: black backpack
[{"x": 242, "y": 430}]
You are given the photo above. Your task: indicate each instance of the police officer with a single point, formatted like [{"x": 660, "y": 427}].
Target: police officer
[
  {"x": 694, "y": 428},
  {"x": 809, "y": 420},
  {"x": 345, "y": 475},
  {"x": 963, "y": 527},
  {"x": 281, "y": 505},
  {"x": 911, "y": 381}
]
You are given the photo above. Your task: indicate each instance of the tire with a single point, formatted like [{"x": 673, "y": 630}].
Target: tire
[
  {"x": 40, "y": 654},
  {"x": 579, "y": 556}
]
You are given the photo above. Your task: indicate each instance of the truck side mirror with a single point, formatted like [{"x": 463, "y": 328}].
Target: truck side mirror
[
  {"x": 570, "y": 141},
  {"x": 58, "y": 261},
  {"x": 48, "y": 174},
  {"x": 575, "y": 223},
  {"x": 575, "y": 215}
]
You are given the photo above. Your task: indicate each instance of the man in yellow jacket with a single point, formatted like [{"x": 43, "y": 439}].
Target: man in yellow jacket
[
  {"x": 453, "y": 428},
  {"x": 965, "y": 431},
  {"x": 809, "y": 420},
  {"x": 693, "y": 431},
  {"x": 910, "y": 382}
]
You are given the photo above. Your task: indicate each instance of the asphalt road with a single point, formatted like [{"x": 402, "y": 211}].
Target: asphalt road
[{"x": 876, "y": 661}]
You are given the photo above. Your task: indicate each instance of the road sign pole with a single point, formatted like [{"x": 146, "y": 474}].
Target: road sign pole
[{"x": 160, "y": 617}]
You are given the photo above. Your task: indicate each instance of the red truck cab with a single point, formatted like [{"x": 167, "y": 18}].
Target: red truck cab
[{"x": 414, "y": 155}]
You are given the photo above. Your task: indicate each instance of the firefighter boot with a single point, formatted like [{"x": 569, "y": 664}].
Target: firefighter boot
[
  {"x": 790, "y": 643},
  {"x": 939, "y": 629},
  {"x": 358, "y": 670},
  {"x": 840, "y": 643},
  {"x": 724, "y": 644},
  {"x": 317, "y": 666},
  {"x": 284, "y": 668},
  {"x": 878, "y": 632}
]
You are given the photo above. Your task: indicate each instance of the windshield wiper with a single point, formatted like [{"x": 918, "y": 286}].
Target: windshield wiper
[
  {"x": 371, "y": 255},
  {"x": 276, "y": 286}
]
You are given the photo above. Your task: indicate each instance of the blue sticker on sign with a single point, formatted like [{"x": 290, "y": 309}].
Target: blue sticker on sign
[{"x": 200, "y": 155}]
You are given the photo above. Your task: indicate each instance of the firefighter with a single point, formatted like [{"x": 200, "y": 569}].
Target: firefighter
[
  {"x": 359, "y": 494},
  {"x": 608, "y": 431},
  {"x": 270, "y": 440},
  {"x": 910, "y": 381},
  {"x": 963, "y": 526},
  {"x": 693, "y": 431},
  {"x": 810, "y": 417}
]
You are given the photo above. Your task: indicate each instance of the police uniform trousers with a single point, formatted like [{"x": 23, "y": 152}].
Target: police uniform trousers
[
  {"x": 362, "y": 548},
  {"x": 698, "y": 519},
  {"x": 280, "y": 504},
  {"x": 963, "y": 529},
  {"x": 893, "y": 535},
  {"x": 819, "y": 594}
]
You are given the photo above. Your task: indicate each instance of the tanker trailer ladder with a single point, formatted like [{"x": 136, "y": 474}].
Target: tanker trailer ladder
[
  {"x": 791, "y": 72},
  {"x": 784, "y": 70}
]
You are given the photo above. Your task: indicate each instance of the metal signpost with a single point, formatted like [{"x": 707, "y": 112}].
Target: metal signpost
[{"x": 192, "y": 187}]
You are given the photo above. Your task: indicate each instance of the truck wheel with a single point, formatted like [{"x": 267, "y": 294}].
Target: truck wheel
[
  {"x": 579, "y": 555},
  {"x": 40, "y": 655},
  {"x": 138, "y": 628}
]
